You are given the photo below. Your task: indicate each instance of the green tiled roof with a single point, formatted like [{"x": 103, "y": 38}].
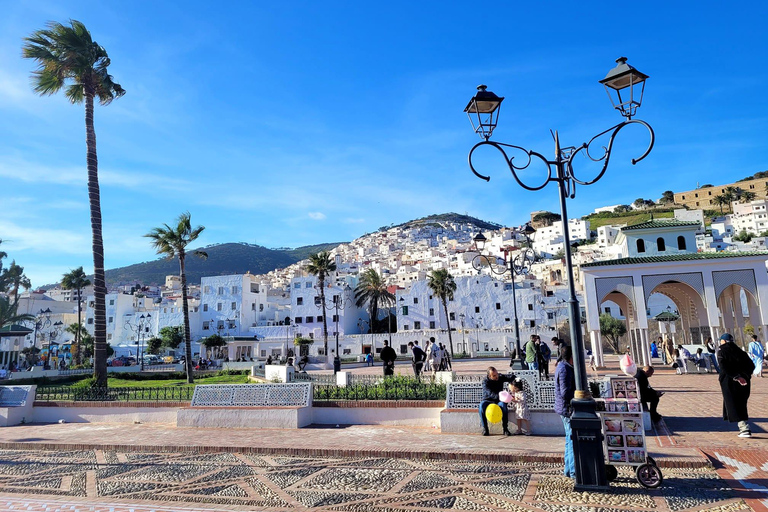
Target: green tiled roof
[
  {"x": 655, "y": 224},
  {"x": 675, "y": 257},
  {"x": 666, "y": 316}
]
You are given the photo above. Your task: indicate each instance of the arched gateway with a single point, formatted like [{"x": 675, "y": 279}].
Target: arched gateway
[{"x": 713, "y": 292}]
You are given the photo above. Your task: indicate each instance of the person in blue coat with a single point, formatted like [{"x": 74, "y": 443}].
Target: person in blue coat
[{"x": 565, "y": 387}]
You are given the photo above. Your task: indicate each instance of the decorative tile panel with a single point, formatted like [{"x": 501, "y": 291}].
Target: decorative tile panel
[
  {"x": 468, "y": 395},
  {"x": 253, "y": 395}
]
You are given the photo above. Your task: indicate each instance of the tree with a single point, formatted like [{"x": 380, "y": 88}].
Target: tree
[
  {"x": 639, "y": 203},
  {"x": 8, "y": 313},
  {"x": 442, "y": 284},
  {"x": 82, "y": 340},
  {"x": 68, "y": 56},
  {"x": 613, "y": 329},
  {"x": 76, "y": 280},
  {"x": 154, "y": 344},
  {"x": 743, "y": 236},
  {"x": 214, "y": 341},
  {"x": 748, "y": 196},
  {"x": 172, "y": 242},
  {"x": 171, "y": 336},
  {"x": 372, "y": 291},
  {"x": 621, "y": 208},
  {"x": 667, "y": 197},
  {"x": 720, "y": 201},
  {"x": 321, "y": 265},
  {"x": 12, "y": 279}
]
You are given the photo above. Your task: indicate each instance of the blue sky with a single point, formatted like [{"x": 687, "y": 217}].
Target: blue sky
[{"x": 294, "y": 123}]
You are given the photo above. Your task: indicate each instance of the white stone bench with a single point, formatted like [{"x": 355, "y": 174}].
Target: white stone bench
[
  {"x": 16, "y": 404},
  {"x": 249, "y": 406},
  {"x": 463, "y": 398}
]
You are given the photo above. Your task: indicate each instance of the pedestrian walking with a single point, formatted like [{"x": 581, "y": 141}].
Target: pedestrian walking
[
  {"x": 757, "y": 355},
  {"x": 669, "y": 349},
  {"x": 736, "y": 370},
  {"x": 545, "y": 354},
  {"x": 711, "y": 348},
  {"x": 565, "y": 387},
  {"x": 388, "y": 357},
  {"x": 654, "y": 350},
  {"x": 417, "y": 359},
  {"x": 530, "y": 354},
  {"x": 428, "y": 351}
]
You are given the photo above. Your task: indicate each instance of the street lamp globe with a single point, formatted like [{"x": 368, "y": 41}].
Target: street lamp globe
[
  {"x": 620, "y": 85},
  {"x": 483, "y": 111},
  {"x": 480, "y": 241}
]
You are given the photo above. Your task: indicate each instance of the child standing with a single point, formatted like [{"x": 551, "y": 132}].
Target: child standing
[{"x": 521, "y": 408}]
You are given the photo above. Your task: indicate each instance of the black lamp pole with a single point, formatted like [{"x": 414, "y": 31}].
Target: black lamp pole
[
  {"x": 517, "y": 266},
  {"x": 625, "y": 86}
]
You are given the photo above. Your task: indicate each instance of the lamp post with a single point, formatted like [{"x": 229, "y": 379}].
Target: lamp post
[
  {"x": 625, "y": 86},
  {"x": 139, "y": 327},
  {"x": 520, "y": 265},
  {"x": 367, "y": 323},
  {"x": 463, "y": 341}
]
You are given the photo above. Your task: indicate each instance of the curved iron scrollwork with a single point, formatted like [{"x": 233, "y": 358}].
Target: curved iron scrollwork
[
  {"x": 561, "y": 169},
  {"x": 520, "y": 265}
]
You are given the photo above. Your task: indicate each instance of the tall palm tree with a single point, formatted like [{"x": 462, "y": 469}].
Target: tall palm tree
[
  {"x": 372, "y": 290},
  {"x": 76, "y": 280},
  {"x": 442, "y": 284},
  {"x": 172, "y": 242},
  {"x": 721, "y": 201},
  {"x": 67, "y": 56},
  {"x": 320, "y": 265}
]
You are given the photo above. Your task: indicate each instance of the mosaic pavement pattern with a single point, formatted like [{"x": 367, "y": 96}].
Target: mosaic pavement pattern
[{"x": 227, "y": 481}]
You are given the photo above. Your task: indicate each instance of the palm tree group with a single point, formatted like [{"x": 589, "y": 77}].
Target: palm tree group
[
  {"x": 371, "y": 291},
  {"x": 321, "y": 265},
  {"x": 76, "y": 280},
  {"x": 442, "y": 285},
  {"x": 69, "y": 58},
  {"x": 172, "y": 242}
]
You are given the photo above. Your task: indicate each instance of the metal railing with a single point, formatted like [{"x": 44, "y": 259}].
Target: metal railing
[
  {"x": 387, "y": 389},
  {"x": 327, "y": 379},
  {"x": 74, "y": 394},
  {"x": 79, "y": 371}
]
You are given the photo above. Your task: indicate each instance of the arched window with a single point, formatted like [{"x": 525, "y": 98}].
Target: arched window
[
  {"x": 681, "y": 243},
  {"x": 661, "y": 244},
  {"x": 641, "y": 245}
]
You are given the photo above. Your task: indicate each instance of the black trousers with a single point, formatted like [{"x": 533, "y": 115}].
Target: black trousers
[
  {"x": 417, "y": 368},
  {"x": 650, "y": 402}
]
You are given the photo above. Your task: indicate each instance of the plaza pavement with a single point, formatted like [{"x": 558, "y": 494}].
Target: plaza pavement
[{"x": 87, "y": 466}]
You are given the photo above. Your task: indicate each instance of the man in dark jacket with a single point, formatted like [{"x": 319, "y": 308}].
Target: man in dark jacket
[
  {"x": 565, "y": 387},
  {"x": 648, "y": 395},
  {"x": 493, "y": 384},
  {"x": 735, "y": 371},
  {"x": 417, "y": 359},
  {"x": 388, "y": 356}
]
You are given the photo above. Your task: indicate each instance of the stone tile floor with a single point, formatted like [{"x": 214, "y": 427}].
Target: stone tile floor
[
  {"x": 90, "y": 480},
  {"x": 92, "y": 467}
]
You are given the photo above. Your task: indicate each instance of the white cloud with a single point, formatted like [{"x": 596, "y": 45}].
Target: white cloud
[
  {"x": 44, "y": 240},
  {"x": 31, "y": 172},
  {"x": 316, "y": 215},
  {"x": 350, "y": 220}
]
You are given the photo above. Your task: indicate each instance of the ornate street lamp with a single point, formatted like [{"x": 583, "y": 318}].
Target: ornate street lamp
[
  {"x": 520, "y": 265},
  {"x": 628, "y": 84}
]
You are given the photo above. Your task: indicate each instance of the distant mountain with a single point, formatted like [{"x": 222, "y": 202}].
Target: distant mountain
[
  {"x": 444, "y": 218},
  {"x": 223, "y": 259}
]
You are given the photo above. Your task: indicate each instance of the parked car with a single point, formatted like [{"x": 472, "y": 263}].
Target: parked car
[{"x": 150, "y": 359}]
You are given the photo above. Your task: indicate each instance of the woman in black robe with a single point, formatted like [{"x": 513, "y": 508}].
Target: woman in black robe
[{"x": 735, "y": 372}]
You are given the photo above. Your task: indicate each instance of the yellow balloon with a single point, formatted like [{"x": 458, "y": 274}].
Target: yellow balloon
[{"x": 493, "y": 413}]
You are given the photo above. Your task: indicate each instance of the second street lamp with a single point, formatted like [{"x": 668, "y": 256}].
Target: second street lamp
[
  {"x": 626, "y": 85},
  {"x": 520, "y": 265}
]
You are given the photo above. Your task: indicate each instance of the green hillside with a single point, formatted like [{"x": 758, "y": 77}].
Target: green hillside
[
  {"x": 629, "y": 218},
  {"x": 223, "y": 259}
]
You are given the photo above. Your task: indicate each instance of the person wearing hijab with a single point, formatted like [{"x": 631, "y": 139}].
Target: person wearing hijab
[{"x": 736, "y": 369}]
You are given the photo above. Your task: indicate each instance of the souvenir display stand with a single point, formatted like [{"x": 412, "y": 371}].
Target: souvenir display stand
[{"x": 621, "y": 417}]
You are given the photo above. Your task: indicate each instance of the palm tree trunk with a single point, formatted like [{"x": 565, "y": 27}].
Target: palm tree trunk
[
  {"x": 79, "y": 326},
  {"x": 185, "y": 305},
  {"x": 325, "y": 322},
  {"x": 448, "y": 322},
  {"x": 99, "y": 282}
]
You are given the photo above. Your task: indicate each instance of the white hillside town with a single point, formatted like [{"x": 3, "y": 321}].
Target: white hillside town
[{"x": 260, "y": 316}]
